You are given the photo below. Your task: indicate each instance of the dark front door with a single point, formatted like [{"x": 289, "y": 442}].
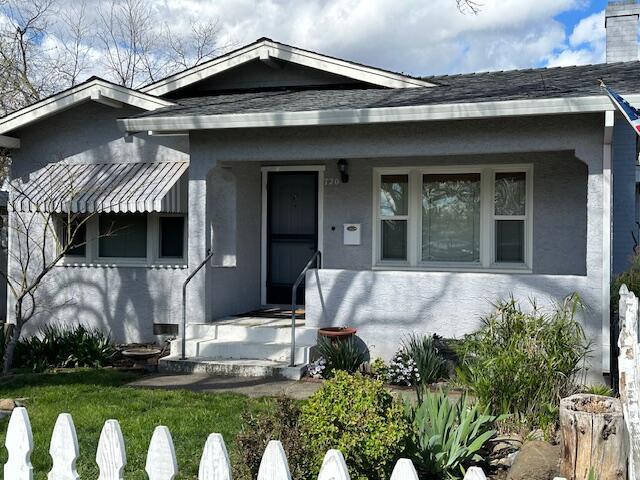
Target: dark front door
[{"x": 292, "y": 231}]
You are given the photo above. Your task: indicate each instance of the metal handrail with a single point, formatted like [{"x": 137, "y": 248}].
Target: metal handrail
[
  {"x": 294, "y": 304},
  {"x": 184, "y": 303}
]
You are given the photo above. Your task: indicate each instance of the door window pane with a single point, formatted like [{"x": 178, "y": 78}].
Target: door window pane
[
  {"x": 123, "y": 235},
  {"x": 394, "y": 195},
  {"x": 394, "y": 240},
  {"x": 510, "y": 241},
  {"x": 451, "y": 218},
  {"x": 511, "y": 193},
  {"x": 171, "y": 237}
]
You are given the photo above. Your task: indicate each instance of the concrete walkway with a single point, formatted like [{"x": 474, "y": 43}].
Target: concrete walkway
[{"x": 249, "y": 386}]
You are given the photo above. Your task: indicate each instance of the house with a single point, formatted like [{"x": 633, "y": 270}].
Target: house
[{"x": 428, "y": 198}]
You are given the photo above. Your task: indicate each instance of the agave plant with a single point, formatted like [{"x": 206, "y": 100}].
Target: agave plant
[
  {"x": 344, "y": 354},
  {"x": 448, "y": 435}
]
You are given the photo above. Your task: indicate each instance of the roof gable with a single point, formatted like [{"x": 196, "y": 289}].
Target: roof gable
[
  {"x": 270, "y": 53},
  {"x": 94, "y": 89}
]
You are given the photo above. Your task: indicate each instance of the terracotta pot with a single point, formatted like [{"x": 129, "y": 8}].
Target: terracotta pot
[{"x": 337, "y": 333}]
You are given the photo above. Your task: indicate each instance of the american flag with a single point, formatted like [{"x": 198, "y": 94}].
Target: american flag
[{"x": 630, "y": 113}]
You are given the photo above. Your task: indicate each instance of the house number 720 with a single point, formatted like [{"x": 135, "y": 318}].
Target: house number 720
[{"x": 331, "y": 181}]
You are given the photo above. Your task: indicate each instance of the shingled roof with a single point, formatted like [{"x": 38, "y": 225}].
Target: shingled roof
[{"x": 559, "y": 82}]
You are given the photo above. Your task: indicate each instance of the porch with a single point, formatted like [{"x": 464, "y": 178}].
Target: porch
[{"x": 391, "y": 283}]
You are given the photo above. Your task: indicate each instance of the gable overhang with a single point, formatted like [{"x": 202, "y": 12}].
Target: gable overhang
[
  {"x": 417, "y": 113},
  {"x": 96, "y": 90},
  {"x": 267, "y": 51}
]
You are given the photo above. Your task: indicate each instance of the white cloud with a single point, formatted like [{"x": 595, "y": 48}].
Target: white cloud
[
  {"x": 586, "y": 43},
  {"x": 419, "y": 37}
]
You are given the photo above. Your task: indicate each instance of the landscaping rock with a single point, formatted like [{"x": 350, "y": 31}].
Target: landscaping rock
[
  {"x": 537, "y": 460},
  {"x": 7, "y": 404}
]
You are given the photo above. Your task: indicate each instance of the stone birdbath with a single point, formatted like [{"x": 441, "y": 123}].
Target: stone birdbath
[{"x": 141, "y": 355}]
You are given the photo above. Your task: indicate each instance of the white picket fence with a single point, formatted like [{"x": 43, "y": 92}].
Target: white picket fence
[
  {"x": 161, "y": 462},
  {"x": 629, "y": 374}
]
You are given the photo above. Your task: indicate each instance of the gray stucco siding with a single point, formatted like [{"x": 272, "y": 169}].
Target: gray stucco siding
[
  {"x": 559, "y": 208},
  {"x": 566, "y": 152},
  {"x": 88, "y": 133},
  {"x": 125, "y": 301},
  {"x": 385, "y": 306},
  {"x": 624, "y": 164}
]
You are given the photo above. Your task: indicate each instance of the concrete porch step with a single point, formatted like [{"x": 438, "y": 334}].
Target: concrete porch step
[
  {"x": 240, "y": 349},
  {"x": 253, "y": 330},
  {"x": 231, "y": 368}
]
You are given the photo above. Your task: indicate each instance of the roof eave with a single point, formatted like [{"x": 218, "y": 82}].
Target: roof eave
[
  {"x": 453, "y": 111},
  {"x": 97, "y": 90},
  {"x": 265, "y": 49}
]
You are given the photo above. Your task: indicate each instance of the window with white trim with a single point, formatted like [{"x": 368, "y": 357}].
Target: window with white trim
[
  {"x": 476, "y": 217},
  {"x": 128, "y": 239}
]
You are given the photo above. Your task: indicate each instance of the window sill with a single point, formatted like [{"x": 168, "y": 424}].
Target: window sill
[
  {"x": 154, "y": 266},
  {"x": 460, "y": 269}
]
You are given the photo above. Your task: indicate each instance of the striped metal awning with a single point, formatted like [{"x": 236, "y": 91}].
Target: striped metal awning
[{"x": 103, "y": 187}]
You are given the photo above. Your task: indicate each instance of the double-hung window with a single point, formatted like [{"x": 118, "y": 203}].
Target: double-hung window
[{"x": 476, "y": 217}]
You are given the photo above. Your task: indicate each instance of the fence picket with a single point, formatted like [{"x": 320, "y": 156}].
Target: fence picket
[
  {"x": 19, "y": 444},
  {"x": 214, "y": 464},
  {"x": 334, "y": 467},
  {"x": 161, "y": 457},
  {"x": 64, "y": 449},
  {"x": 629, "y": 373},
  {"x": 111, "y": 457},
  {"x": 474, "y": 473},
  {"x": 404, "y": 470},
  {"x": 274, "y": 465}
]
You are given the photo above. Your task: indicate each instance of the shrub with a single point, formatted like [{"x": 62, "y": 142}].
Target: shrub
[
  {"x": 631, "y": 278},
  {"x": 280, "y": 423},
  {"x": 522, "y": 363},
  {"x": 379, "y": 370},
  {"x": 56, "y": 346},
  {"x": 358, "y": 416},
  {"x": 447, "y": 436},
  {"x": 340, "y": 354}
]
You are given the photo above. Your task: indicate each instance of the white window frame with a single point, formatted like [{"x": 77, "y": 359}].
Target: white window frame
[
  {"x": 152, "y": 259},
  {"x": 487, "y": 219},
  {"x": 155, "y": 220}
]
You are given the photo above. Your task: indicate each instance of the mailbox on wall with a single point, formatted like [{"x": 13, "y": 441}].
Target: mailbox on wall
[{"x": 352, "y": 233}]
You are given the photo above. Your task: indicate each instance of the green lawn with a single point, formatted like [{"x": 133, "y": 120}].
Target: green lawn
[{"x": 94, "y": 396}]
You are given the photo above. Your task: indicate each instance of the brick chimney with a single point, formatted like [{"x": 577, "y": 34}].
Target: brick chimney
[{"x": 621, "y": 23}]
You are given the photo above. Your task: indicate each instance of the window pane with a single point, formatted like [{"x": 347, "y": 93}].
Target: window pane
[
  {"x": 78, "y": 231},
  {"x": 171, "y": 237},
  {"x": 511, "y": 193},
  {"x": 126, "y": 235},
  {"x": 394, "y": 240},
  {"x": 451, "y": 218},
  {"x": 394, "y": 193},
  {"x": 510, "y": 241}
]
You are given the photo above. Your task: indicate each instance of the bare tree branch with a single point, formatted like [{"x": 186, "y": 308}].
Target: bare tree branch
[{"x": 469, "y": 6}]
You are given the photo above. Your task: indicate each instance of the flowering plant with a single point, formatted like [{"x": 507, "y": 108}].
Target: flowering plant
[
  {"x": 316, "y": 368},
  {"x": 403, "y": 370}
]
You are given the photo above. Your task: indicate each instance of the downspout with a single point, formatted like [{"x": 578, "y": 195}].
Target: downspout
[{"x": 607, "y": 237}]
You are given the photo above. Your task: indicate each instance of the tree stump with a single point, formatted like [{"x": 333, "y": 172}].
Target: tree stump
[{"x": 593, "y": 438}]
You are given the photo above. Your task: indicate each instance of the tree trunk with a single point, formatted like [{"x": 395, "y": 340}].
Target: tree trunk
[
  {"x": 594, "y": 438},
  {"x": 10, "y": 348}
]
